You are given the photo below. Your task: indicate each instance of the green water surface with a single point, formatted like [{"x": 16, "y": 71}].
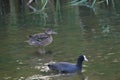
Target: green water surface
[{"x": 80, "y": 31}]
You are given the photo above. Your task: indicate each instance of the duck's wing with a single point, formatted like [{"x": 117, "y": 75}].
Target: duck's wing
[{"x": 39, "y": 37}]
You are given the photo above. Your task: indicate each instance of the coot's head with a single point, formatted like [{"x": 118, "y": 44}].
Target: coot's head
[{"x": 82, "y": 58}]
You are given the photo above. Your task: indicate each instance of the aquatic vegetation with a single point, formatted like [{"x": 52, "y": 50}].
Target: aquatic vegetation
[
  {"x": 43, "y": 67},
  {"x": 88, "y": 3},
  {"x": 43, "y": 4},
  {"x": 98, "y": 38},
  {"x": 92, "y": 3}
]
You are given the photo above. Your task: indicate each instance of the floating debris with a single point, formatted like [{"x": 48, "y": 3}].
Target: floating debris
[
  {"x": 38, "y": 77},
  {"x": 86, "y": 78},
  {"x": 49, "y": 77},
  {"x": 44, "y": 68},
  {"x": 85, "y": 66},
  {"x": 6, "y": 78},
  {"x": 40, "y": 63},
  {"x": 49, "y": 62},
  {"x": 39, "y": 59},
  {"x": 21, "y": 78},
  {"x": 101, "y": 73},
  {"x": 110, "y": 53},
  {"x": 83, "y": 70},
  {"x": 115, "y": 60},
  {"x": 38, "y": 67},
  {"x": 18, "y": 68},
  {"x": 19, "y": 62},
  {"x": 105, "y": 57}
]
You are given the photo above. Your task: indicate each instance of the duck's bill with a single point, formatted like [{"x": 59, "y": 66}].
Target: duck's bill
[{"x": 54, "y": 33}]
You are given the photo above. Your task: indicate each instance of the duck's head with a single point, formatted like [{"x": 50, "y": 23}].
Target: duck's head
[{"x": 50, "y": 31}]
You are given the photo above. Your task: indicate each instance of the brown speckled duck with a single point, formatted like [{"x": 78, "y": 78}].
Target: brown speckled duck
[{"x": 41, "y": 39}]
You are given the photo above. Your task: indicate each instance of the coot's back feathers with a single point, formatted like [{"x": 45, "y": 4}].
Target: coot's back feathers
[{"x": 68, "y": 67}]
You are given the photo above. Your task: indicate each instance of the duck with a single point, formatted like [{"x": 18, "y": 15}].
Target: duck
[
  {"x": 41, "y": 39},
  {"x": 67, "y": 67}
]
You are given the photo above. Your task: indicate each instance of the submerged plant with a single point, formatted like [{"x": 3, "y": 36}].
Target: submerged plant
[
  {"x": 43, "y": 3},
  {"x": 88, "y": 3}
]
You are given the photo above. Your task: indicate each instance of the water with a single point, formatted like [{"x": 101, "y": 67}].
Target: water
[{"x": 80, "y": 31}]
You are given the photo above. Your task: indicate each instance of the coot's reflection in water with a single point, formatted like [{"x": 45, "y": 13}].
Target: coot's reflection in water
[{"x": 69, "y": 76}]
